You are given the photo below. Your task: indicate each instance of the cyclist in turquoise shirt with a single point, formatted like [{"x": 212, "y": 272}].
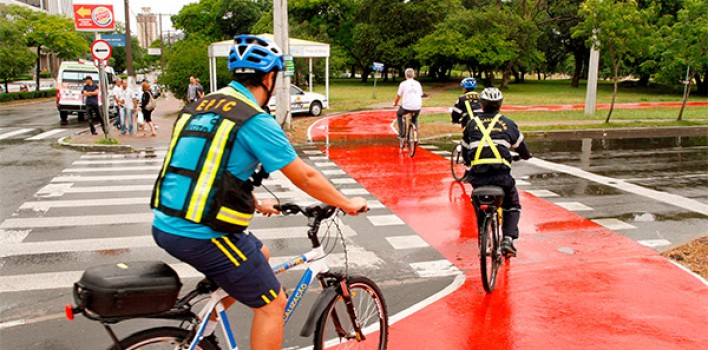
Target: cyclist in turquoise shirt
[{"x": 203, "y": 199}]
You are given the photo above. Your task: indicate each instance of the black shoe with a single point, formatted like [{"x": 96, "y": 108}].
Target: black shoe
[
  {"x": 64, "y": 122},
  {"x": 507, "y": 247}
]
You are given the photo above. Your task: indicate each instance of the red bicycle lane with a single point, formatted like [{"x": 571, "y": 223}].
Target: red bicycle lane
[{"x": 574, "y": 285}]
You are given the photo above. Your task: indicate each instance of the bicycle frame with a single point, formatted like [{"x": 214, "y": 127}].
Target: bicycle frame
[{"x": 317, "y": 265}]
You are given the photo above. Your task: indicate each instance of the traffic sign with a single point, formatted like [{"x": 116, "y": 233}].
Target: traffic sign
[
  {"x": 377, "y": 67},
  {"x": 101, "y": 50},
  {"x": 115, "y": 40},
  {"x": 95, "y": 18}
]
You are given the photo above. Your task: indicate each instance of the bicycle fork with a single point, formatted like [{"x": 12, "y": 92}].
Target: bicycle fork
[{"x": 345, "y": 295}]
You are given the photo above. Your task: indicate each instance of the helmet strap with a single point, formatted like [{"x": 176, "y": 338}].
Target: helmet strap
[{"x": 271, "y": 90}]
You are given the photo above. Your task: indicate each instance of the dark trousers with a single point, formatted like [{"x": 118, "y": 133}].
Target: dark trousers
[
  {"x": 94, "y": 113},
  {"x": 402, "y": 122},
  {"x": 511, "y": 207}
]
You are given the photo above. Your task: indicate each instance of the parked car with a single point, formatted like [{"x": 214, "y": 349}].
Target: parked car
[{"x": 303, "y": 102}]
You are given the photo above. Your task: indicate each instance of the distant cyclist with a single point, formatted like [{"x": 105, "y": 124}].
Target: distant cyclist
[
  {"x": 410, "y": 94},
  {"x": 458, "y": 113},
  {"x": 488, "y": 140}
]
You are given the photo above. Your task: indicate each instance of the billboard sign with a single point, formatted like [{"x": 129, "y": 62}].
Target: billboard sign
[
  {"x": 116, "y": 40},
  {"x": 94, "y": 18}
]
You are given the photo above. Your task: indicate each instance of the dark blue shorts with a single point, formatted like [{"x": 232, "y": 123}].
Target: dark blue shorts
[{"x": 234, "y": 261}]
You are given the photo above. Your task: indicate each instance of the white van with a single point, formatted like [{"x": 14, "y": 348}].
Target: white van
[{"x": 70, "y": 82}]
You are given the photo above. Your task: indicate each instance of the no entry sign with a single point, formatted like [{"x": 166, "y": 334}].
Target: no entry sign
[{"x": 95, "y": 18}]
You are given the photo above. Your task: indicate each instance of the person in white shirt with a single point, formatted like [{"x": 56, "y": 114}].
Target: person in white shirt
[
  {"x": 115, "y": 93},
  {"x": 128, "y": 101},
  {"x": 410, "y": 94}
]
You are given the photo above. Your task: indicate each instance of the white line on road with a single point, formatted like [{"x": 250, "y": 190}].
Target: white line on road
[
  {"x": 44, "y": 135},
  {"x": 119, "y": 168},
  {"x": 46, "y": 205},
  {"x": 79, "y": 178},
  {"x": 14, "y": 133},
  {"x": 668, "y": 198},
  {"x": 93, "y": 220},
  {"x": 58, "y": 190},
  {"x": 117, "y": 161}
]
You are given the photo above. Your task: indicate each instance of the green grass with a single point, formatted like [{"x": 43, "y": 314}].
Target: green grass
[
  {"x": 108, "y": 141},
  {"x": 351, "y": 94}
]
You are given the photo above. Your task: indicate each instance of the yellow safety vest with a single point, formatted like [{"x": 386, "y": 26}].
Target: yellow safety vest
[
  {"x": 486, "y": 141},
  {"x": 215, "y": 197}
]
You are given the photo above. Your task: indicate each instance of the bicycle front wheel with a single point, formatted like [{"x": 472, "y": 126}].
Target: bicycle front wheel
[
  {"x": 163, "y": 338},
  {"x": 489, "y": 252},
  {"x": 457, "y": 163},
  {"x": 412, "y": 140},
  {"x": 335, "y": 329}
]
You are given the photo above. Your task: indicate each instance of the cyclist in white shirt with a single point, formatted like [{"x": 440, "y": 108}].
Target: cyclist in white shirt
[{"x": 410, "y": 94}]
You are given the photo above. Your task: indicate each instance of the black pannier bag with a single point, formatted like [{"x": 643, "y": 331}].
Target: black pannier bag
[{"x": 133, "y": 289}]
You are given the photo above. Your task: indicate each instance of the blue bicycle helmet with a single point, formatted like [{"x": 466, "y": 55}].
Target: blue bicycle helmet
[
  {"x": 251, "y": 53},
  {"x": 468, "y": 83}
]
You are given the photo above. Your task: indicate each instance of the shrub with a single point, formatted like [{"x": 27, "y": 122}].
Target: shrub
[{"x": 12, "y": 96}]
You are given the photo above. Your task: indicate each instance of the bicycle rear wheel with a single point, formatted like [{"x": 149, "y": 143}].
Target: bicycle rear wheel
[
  {"x": 457, "y": 163},
  {"x": 335, "y": 328},
  {"x": 163, "y": 338},
  {"x": 412, "y": 140},
  {"x": 489, "y": 258}
]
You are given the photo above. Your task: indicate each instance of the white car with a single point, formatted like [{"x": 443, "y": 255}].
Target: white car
[{"x": 303, "y": 102}]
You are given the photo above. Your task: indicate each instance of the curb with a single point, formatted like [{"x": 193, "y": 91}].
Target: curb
[{"x": 96, "y": 148}]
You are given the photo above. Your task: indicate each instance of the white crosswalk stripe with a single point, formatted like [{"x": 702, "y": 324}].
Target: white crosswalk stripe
[
  {"x": 45, "y": 134},
  {"x": 121, "y": 197},
  {"x": 10, "y": 134}
]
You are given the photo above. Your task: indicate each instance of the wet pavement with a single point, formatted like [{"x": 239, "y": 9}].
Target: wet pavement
[{"x": 575, "y": 283}]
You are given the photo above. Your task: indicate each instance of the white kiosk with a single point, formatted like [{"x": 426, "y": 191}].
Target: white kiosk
[{"x": 298, "y": 48}]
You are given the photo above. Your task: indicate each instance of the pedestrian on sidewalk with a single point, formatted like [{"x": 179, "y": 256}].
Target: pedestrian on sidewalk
[
  {"x": 488, "y": 140},
  {"x": 129, "y": 102},
  {"x": 147, "y": 106},
  {"x": 116, "y": 91},
  {"x": 90, "y": 92},
  {"x": 201, "y": 222},
  {"x": 194, "y": 90}
]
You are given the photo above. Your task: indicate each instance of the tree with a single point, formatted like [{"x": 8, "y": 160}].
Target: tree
[
  {"x": 188, "y": 57},
  {"x": 687, "y": 47},
  {"x": 619, "y": 29},
  {"x": 47, "y": 33},
  {"x": 219, "y": 19},
  {"x": 15, "y": 58}
]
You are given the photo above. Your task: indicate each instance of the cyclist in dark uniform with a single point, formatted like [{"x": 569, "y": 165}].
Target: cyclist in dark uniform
[
  {"x": 203, "y": 198},
  {"x": 457, "y": 112},
  {"x": 488, "y": 140}
]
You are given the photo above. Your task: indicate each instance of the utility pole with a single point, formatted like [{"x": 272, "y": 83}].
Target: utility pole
[
  {"x": 162, "y": 46},
  {"x": 128, "y": 49},
  {"x": 282, "y": 38},
  {"x": 591, "y": 88}
]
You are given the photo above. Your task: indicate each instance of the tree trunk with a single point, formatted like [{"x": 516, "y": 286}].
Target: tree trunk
[
  {"x": 39, "y": 56},
  {"x": 506, "y": 75},
  {"x": 365, "y": 74},
  {"x": 643, "y": 80},
  {"x": 577, "y": 73},
  {"x": 614, "y": 94},
  {"x": 353, "y": 71},
  {"x": 6, "y": 90},
  {"x": 685, "y": 97}
]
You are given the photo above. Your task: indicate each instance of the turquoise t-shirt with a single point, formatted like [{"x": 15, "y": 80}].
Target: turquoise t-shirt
[{"x": 260, "y": 140}]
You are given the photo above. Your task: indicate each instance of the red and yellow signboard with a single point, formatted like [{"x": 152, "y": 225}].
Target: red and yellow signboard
[{"x": 94, "y": 18}]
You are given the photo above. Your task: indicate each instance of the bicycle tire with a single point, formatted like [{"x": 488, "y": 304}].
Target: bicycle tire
[
  {"x": 489, "y": 252},
  {"x": 412, "y": 140},
  {"x": 371, "y": 306},
  {"x": 162, "y": 338},
  {"x": 457, "y": 163}
]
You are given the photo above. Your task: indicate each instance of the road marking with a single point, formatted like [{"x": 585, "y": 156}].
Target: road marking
[
  {"x": 614, "y": 224},
  {"x": 668, "y": 198},
  {"x": 407, "y": 242},
  {"x": 79, "y": 178},
  {"x": 132, "y": 242},
  {"x": 116, "y": 156},
  {"x": 653, "y": 243},
  {"x": 344, "y": 181},
  {"x": 355, "y": 191},
  {"x": 45, "y": 134},
  {"x": 333, "y": 172},
  {"x": 12, "y": 237},
  {"x": 312, "y": 152},
  {"x": 316, "y": 158},
  {"x": 111, "y": 169},
  {"x": 436, "y": 268},
  {"x": 14, "y": 133},
  {"x": 85, "y": 220},
  {"x": 46, "y": 205},
  {"x": 383, "y": 220},
  {"x": 428, "y": 147},
  {"x": 573, "y": 206},
  {"x": 58, "y": 190},
  {"x": 117, "y": 161},
  {"x": 325, "y": 164},
  {"x": 541, "y": 193},
  {"x": 375, "y": 204},
  {"x": 442, "y": 153},
  {"x": 522, "y": 183}
]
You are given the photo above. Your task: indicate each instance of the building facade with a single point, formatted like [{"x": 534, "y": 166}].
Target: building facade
[{"x": 147, "y": 27}]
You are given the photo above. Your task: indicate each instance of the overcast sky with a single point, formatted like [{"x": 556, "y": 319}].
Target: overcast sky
[{"x": 171, "y": 7}]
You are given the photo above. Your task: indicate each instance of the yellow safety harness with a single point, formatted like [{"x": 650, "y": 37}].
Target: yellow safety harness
[{"x": 486, "y": 141}]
